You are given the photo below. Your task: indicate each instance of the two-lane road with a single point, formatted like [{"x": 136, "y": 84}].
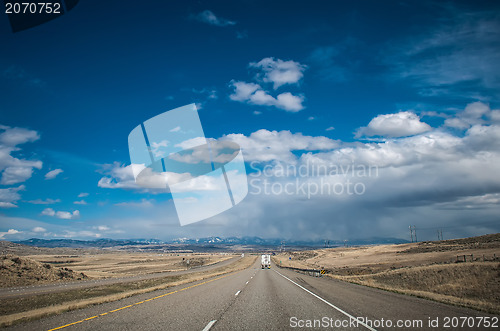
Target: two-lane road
[{"x": 256, "y": 299}]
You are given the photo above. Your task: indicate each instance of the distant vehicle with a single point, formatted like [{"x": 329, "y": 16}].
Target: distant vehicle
[{"x": 266, "y": 261}]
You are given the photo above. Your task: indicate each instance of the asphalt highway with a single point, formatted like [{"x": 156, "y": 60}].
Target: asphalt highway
[{"x": 262, "y": 299}]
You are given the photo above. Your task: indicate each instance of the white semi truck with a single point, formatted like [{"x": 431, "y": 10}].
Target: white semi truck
[{"x": 266, "y": 261}]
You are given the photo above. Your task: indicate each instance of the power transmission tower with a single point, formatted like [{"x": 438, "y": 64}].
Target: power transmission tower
[
  {"x": 440, "y": 234},
  {"x": 413, "y": 233}
]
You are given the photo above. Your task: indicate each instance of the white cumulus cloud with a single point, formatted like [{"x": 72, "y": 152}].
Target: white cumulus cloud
[
  {"x": 61, "y": 214},
  {"x": 9, "y": 232},
  {"x": 279, "y": 72},
  {"x": 265, "y": 145},
  {"x": 253, "y": 94},
  {"x": 437, "y": 178},
  {"x": 53, "y": 174},
  {"x": 401, "y": 124},
  {"x": 15, "y": 170},
  {"x": 9, "y": 196},
  {"x": 118, "y": 176},
  {"x": 242, "y": 90},
  {"x": 475, "y": 113},
  {"x": 17, "y": 136}
]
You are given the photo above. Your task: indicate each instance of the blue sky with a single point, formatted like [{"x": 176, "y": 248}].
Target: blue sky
[{"x": 409, "y": 88}]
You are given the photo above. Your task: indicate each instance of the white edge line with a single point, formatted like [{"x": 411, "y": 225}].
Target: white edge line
[
  {"x": 328, "y": 303},
  {"x": 209, "y": 325},
  {"x": 238, "y": 292}
]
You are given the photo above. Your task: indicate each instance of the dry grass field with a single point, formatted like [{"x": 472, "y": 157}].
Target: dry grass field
[
  {"x": 94, "y": 263},
  {"x": 22, "y": 265},
  {"x": 435, "y": 270},
  {"x": 123, "y": 264},
  {"x": 474, "y": 285}
]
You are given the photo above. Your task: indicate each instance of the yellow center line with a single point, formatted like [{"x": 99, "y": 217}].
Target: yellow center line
[
  {"x": 90, "y": 318},
  {"x": 140, "y": 302}
]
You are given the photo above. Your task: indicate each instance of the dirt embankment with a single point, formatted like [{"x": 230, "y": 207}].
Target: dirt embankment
[{"x": 23, "y": 271}]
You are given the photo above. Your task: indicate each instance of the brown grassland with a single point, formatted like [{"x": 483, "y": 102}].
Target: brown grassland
[
  {"x": 124, "y": 264},
  {"x": 433, "y": 270}
]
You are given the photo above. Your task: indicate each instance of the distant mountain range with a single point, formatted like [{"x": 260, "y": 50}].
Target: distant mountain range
[
  {"x": 99, "y": 243},
  {"x": 208, "y": 241}
]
